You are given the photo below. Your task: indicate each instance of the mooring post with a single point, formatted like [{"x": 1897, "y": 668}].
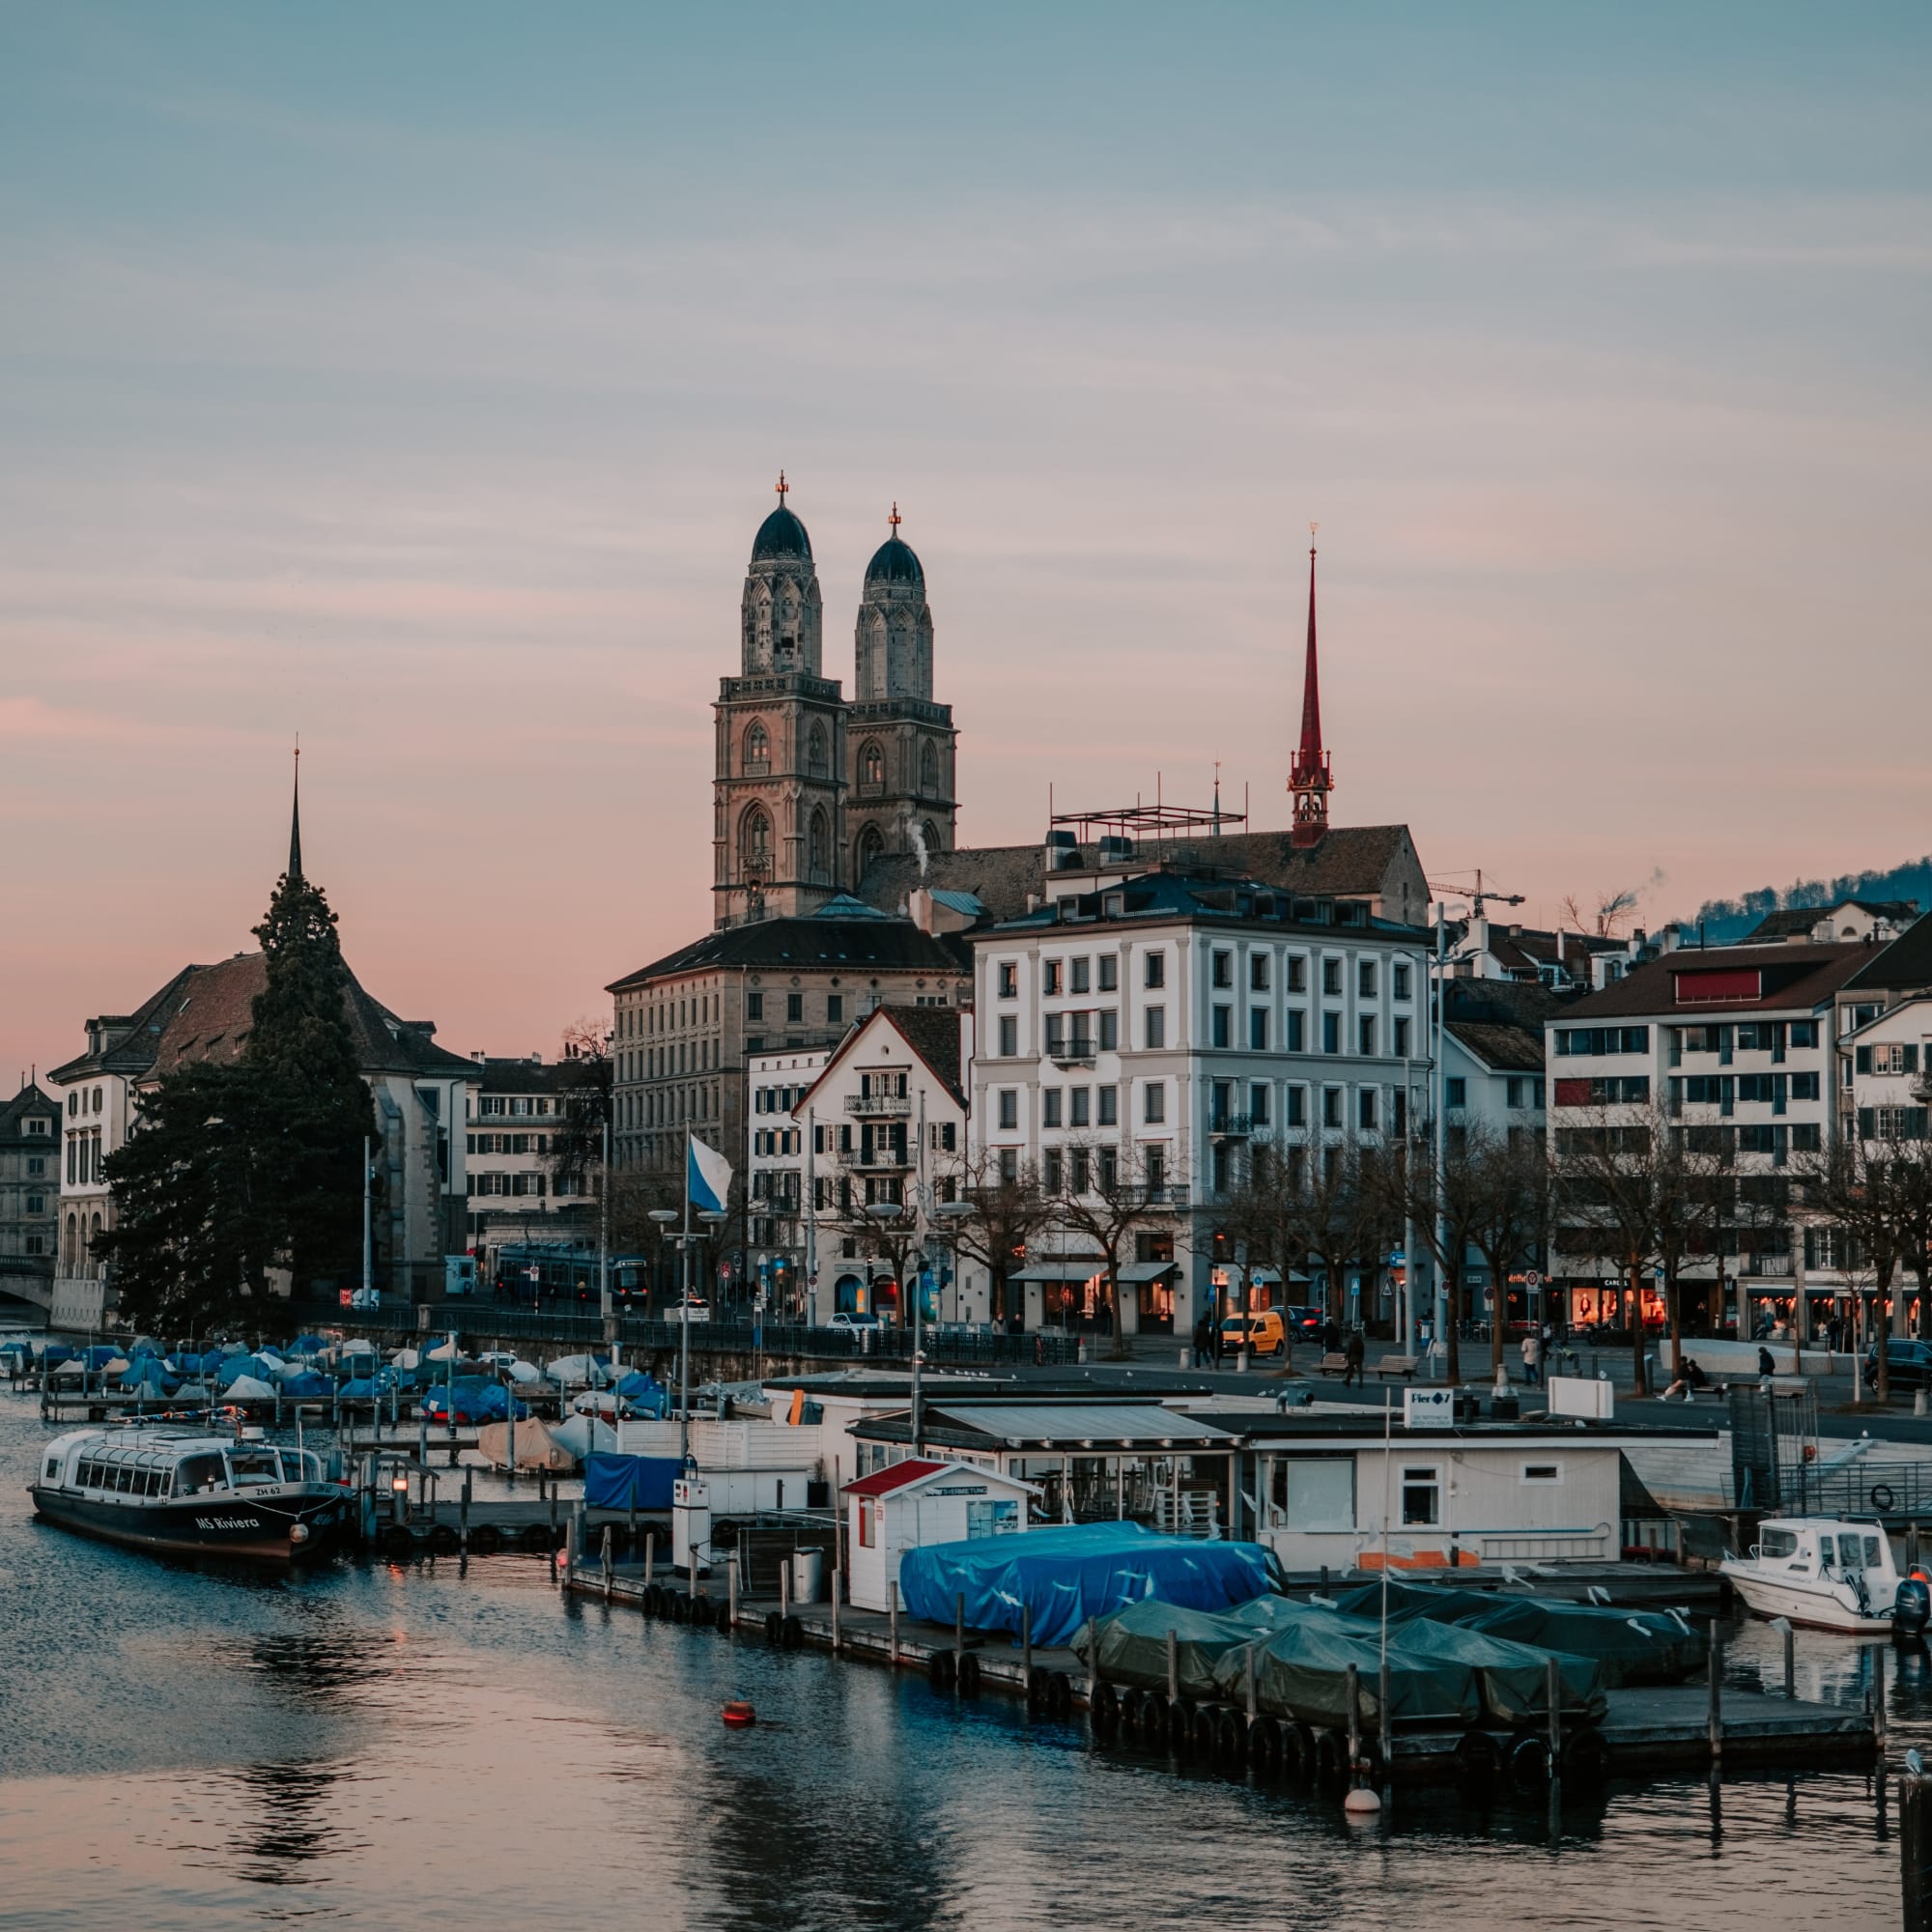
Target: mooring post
[
  {"x": 1249, "y": 1685},
  {"x": 892, "y": 1621},
  {"x": 958, "y": 1625},
  {"x": 574, "y": 1555},
  {"x": 605, "y": 1553},
  {"x": 730, "y": 1582},
  {"x": 630, "y": 1523},
  {"x": 1173, "y": 1667},
  {"x": 834, "y": 1614},
  {"x": 1878, "y": 1698},
  {"x": 1716, "y": 1723},
  {"x": 463, "y": 1516},
  {"x": 785, "y": 1587},
  {"x": 1382, "y": 1714},
  {"x": 1554, "y": 1693},
  {"x": 1352, "y": 1693},
  {"x": 1912, "y": 1857},
  {"x": 1026, "y": 1644},
  {"x": 1790, "y": 1660},
  {"x": 650, "y": 1555}
]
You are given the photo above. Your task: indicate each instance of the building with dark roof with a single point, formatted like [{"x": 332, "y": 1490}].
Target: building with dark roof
[
  {"x": 515, "y": 1110},
  {"x": 29, "y": 1191},
  {"x": 205, "y": 1013},
  {"x": 1860, "y": 919}
]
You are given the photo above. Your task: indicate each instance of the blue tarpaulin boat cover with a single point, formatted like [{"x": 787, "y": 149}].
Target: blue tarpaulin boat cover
[
  {"x": 1067, "y": 1575},
  {"x": 307, "y": 1387},
  {"x": 472, "y": 1399},
  {"x": 629, "y": 1482}
]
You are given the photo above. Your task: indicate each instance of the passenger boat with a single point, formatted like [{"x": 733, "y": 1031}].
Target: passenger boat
[
  {"x": 190, "y": 1493},
  {"x": 1829, "y": 1573}
]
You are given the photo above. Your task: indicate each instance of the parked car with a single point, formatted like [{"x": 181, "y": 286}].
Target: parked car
[
  {"x": 1909, "y": 1364},
  {"x": 843, "y": 1321},
  {"x": 1262, "y": 1334},
  {"x": 691, "y": 1309},
  {"x": 1305, "y": 1324}
]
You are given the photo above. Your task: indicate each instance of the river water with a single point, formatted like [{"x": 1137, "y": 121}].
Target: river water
[{"x": 367, "y": 1745}]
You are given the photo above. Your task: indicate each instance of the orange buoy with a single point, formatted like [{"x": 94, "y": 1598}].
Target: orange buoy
[{"x": 739, "y": 1713}]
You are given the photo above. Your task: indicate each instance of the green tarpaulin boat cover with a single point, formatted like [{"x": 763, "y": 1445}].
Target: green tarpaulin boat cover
[
  {"x": 1132, "y": 1644},
  {"x": 1514, "y": 1677},
  {"x": 1632, "y": 1646},
  {"x": 1301, "y": 1672}
]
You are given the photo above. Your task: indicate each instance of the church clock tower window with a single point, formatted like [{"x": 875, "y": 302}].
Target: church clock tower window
[
  {"x": 758, "y": 751},
  {"x": 871, "y": 768}
]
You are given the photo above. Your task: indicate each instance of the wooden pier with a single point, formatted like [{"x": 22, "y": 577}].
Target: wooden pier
[{"x": 1697, "y": 1727}]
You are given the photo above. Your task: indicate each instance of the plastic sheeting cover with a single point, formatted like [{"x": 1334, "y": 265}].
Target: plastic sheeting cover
[
  {"x": 1132, "y": 1644},
  {"x": 1301, "y": 1672},
  {"x": 629, "y": 1482},
  {"x": 1069, "y": 1576}
]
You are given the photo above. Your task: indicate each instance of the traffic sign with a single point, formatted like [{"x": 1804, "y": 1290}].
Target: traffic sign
[{"x": 1531, "y": 1278}]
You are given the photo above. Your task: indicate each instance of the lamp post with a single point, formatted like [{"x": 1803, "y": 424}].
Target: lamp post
[
  {"x": 666, "y": 1218},
  {"x": 889, "y": 1213},
  {"x": 953, "y": 1212}
]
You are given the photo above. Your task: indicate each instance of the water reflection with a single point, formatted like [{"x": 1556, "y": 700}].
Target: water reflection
[{"x": 282, "y": 1825}]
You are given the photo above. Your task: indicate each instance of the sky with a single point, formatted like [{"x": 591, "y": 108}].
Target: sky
[{"x": 414, "y": 378}]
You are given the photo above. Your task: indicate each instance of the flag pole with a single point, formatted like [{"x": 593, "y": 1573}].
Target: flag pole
[{"x": 684, "y": 1315}]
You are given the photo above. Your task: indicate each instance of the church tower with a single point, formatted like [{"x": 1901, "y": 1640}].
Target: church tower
[
  {"x": 901, "y": 790},
  {"x": 778, "y": 816}
]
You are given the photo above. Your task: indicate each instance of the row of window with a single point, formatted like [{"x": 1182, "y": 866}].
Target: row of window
[
  {"x": 81, "y": 1100},
  {"x": 509, "y": 1143},
  {"x": 776, "y": 1099},
  {"x": 512, "y": 1106},
  {"x": 1100, "y": 1106},
  {"x": 1083, "y": 972},
  {"x": 84, "y": 1157},
  {"x": 669, "y": 1106},
  {"x": 1590, "y": 1042},
  {"x": 536, "y": 1184},
  {"x": 1079, "y": 1035},
  {"x": 1519, "y": 1090},
  {"x": 1896, "y": 1057}
]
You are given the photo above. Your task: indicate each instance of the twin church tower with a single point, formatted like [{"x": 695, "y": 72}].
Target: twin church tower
[{"x": 811, "y": 786}]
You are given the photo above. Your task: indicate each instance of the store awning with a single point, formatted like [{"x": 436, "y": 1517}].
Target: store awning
[
  {"x": 1075, "y": 1269},
  {"x": 1136, "y": 1272}
]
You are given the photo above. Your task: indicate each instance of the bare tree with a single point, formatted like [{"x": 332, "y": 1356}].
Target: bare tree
[
  {"x": 1449, "y": 1233},
  {"x": 1009, "y": 1209},
  {"x": 1612, "y": 911},
  {"x": 1608, "y": 1174},
  {"x": 584, "y": 1104},
  {"x": 1106, "y": 1194},
  {"x": 1507, "y": 1177}
]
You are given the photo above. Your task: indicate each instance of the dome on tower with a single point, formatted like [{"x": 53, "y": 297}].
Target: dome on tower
[
  {"x": 893, "y": 562},
  {"x": 781, "y": 534}
]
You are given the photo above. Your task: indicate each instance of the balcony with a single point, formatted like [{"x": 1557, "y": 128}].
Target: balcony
[
  {"x": 1230, "y": 1127},
  {"x": 880, "y": 1106},
  {"x": 1075, "y": 1052}
]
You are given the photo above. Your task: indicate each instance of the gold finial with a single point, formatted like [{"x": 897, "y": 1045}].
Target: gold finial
[
  {"x": 893, "y": 519},
  {"x": 1312, "y": 528},
  {"x": 782, "y": 487}
]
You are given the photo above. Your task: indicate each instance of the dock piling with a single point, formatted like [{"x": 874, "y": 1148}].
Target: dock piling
[
  {"x": 650, "y": 1555},
  {"x": 730, "y": 1581},
  {"x": 1173, "y": 1667},
  {"x": 1717, "y": 1718},
  {"x": 1026, "y": 1642},
  {"x": 958, "y": 1625},
  {"x": 892, "y": 1621},
  {"x": 463, "y": 1516},
  {"x": 605, "y": 1553},
  {"x": 1554, "y": 1693},
  {"x": 1878, "y": 1699},
  {"x": 1790, "y": 1660},
  {"x": 1915, "y": 1855},
  {"x": 1352, "y": 1696},
  {"x": 1249, "y": 1686},
  {"x": 574, "y": 1549},
  {"x": 834, "y": 1614},
  {"x": 785, "y": 1587}
]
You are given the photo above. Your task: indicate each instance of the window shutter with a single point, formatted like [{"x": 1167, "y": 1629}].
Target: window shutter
[
  {"x": 1861, "y": 1059},
  {"x": 1915, "y": 1124},
  {"x": 1867, "y": 1123},
  {"x": 1912, "y": 1059}
]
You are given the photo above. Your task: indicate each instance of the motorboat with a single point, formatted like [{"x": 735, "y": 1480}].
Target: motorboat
[
  {"x": 1827, "y": 1573},
  {"x": 188, "y": 1492}
]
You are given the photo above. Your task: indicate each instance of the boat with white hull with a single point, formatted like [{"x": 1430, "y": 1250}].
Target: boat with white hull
[
  {"x": 187, "y": 1492},
  {"x": 1824, "y": 1572}
]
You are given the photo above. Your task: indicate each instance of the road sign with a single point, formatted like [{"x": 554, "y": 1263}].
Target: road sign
[{"x": 1531, "y": 1278}]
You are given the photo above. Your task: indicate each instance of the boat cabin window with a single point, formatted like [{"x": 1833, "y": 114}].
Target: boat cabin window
[
  {"x": 199, "y": 1474},
  {"x": 1872, "y": 1558},
  {"x": 1777, "y": 1542},
  {"x": 254, "y": 1466},
  {"x": 53, "y": 1470}
]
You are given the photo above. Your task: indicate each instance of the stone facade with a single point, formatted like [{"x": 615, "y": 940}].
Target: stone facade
[{"x": 30, "y": 1156}]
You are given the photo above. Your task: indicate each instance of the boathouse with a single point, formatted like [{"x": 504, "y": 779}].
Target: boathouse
[{"x": 912, "y": 1504}]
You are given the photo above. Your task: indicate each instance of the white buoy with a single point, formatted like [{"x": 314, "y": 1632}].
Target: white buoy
[{"x": 1362, "y": 1804}]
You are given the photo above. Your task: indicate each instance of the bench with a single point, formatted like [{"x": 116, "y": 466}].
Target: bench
[
  {"x": 1397, "y": 1365},
  {"x": 1333, "y": 1365}
]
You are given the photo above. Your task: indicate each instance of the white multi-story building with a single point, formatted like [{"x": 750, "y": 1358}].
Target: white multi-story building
[
  {"x": 1733, "y": 1045},
  {"x": 513, "y": 1110},
  {"x": 880, "y": 1121},
  {"x": 1169, "y": 1021}
]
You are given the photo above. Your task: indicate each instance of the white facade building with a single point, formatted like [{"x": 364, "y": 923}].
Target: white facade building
[{"x": 1168, "y": 1022}]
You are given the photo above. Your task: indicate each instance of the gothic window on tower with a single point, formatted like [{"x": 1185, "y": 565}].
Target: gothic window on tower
[
  {"x": 932, "y": 837},
  {"x": 817, "y": 843},
  {"x": 929, "y": 769},
  {"x": 754, "y": 844},
  {"x": 758, "y": 751},
  {"x": 815, "y": 761},
  {"x": 871, "y": 768},
  {"x": 871, "y": 844}
]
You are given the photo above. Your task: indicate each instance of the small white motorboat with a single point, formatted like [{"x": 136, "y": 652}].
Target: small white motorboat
[{"x": 1824, "y": 1572}]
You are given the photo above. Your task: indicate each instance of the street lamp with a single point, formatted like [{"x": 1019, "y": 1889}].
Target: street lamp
[
  {"x": 953, "y": 1212},
  {"x": 713, "y": 1219},
  {"x": 888, "y": 1214}
]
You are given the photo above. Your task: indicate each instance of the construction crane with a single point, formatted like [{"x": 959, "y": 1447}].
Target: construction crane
[{"x": 1480, "y": 896}]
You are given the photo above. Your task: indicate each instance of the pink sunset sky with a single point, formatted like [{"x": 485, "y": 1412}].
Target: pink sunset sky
[{"x": 419, "y": 392}]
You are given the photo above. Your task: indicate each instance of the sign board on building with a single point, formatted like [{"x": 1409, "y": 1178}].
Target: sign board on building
[
  {"x": 1422, "y": 1408},
  {"x": 1577, "y": 1395}
]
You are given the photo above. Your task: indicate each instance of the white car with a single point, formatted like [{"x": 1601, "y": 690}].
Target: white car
[
  {"x": 846, "y": 1321},
  {"x": 693, "y": 1310}
]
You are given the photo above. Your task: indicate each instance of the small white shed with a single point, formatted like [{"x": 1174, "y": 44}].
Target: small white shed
[{"x": 919, "y": 1502}]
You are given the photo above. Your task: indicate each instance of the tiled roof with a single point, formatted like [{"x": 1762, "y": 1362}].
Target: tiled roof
[
  {"x": 27, "y": 1103},
  {"x": 519, "y": 1076},
  {"x": 1797, "y": 922},
  {"x": 1507, "y": 1049},
  {"x": 1178, "y": 896},
  {"x": 1350, "y": 861},
  {"x": 931, "y": 1032},
  {"x": 1797, "y": 976},
  {"x": 205, "y": 1013},
  {"x": 1905, "y": 965},
  {"x": 826, "y": 945}
]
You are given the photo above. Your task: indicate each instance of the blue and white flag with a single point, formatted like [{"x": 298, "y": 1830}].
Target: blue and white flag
[{"x": 707, "y": 1176}]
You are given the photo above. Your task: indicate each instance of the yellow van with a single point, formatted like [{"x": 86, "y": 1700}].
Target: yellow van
[{"x": 1261, "y": 1333}]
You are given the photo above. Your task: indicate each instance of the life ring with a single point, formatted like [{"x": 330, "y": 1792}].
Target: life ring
[
  {"x": 677, "y": 1606},
  {"x": 1529, "y": 1764},
  {"x": 1207, "y": 1732},
  {"x": 738, "y": 1714},
  {"x": 699, "y": 1613},
  {"x": 1587, "y": 1757},
  {"x": 968, "y": 1675},
  {"x": 1036, "y": 1688},
  {"x": 442, "y": 1540},
  {"x": 940, "y": 1669},
  {"x": 1882, "y": 1498},
  {"x": 1105, "y": 1707},
  {"x": 1264, "y": 1748},
  {"x": 1479, "y": 1760},
  {"x": 535, "y": 1538}
]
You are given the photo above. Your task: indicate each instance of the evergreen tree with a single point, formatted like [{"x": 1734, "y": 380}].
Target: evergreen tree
[
  {"x": 195, "y": 1226},
  {"x": 302, "y": 1048}
]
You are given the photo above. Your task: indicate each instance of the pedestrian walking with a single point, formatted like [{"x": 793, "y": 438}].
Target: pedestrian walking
[
  {"x": 1203, "y": 1342},
  {"x": 1532, "y": 1357},
  {"x": 1353, "y": 1354}
]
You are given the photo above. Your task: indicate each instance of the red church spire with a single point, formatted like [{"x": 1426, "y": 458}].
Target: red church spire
[{"x": 1309, "y": 778}]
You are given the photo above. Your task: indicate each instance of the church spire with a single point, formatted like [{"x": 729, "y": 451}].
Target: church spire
[
  {"x": 295, "y": 823},
  {"x": 1309, "y": 780}
]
